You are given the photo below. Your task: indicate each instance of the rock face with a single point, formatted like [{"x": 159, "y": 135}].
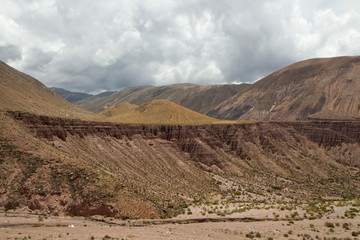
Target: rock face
[
  {"x": 317, "y": 88},
  {"x": 325, "y": 133},
  {"x": 203, "y": 142},
  {"x": 162, "y": 164}
]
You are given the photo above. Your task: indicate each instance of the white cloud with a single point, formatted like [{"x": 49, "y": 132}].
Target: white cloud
[
  {"x": 127, "y": 43},
  {"x": 92, "y": 45}
]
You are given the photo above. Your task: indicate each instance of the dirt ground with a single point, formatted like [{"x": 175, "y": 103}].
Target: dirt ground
[{"x": 250, "y": 224}]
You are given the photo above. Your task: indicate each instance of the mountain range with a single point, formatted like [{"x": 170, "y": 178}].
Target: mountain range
[
  {"x": 197, "y": 98},
  {"x": 324, "y": 88},
  {"x": 56, "y": 159},
  {"x": 70, "y": 96}
]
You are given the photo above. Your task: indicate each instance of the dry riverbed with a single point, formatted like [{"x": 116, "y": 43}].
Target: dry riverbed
[{"x": 329, "y": 220}]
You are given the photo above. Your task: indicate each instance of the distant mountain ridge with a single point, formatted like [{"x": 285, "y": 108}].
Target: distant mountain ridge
[
  {"x": 197, "y": 98},
  {"x": 70, "y": 96},
  {"x": 326, "y": 88}
]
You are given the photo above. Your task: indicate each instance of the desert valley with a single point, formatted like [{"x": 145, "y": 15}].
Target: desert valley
[{"x": 277, "y": 159}]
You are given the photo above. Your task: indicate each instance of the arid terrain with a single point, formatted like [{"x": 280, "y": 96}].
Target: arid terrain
[
  {"x": 324, "y": 88},
  {"x": 148, "y": 113},
  {"x": 339, "y": 220},
  {"x": 161, "y": 171},
  {"x": 197, "y": 98},
  {"x": 19, "y": 91}
]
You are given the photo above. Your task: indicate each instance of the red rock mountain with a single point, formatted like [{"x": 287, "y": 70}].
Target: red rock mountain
[{"x": 327, "y": 88}]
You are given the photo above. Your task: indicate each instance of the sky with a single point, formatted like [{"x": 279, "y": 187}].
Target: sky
[{"x": 93, "y": 46}]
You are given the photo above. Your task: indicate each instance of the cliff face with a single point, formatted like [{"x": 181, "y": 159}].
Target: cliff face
[
  {"x": 326, "y": 133},
  {"x": 170, "y": 163},
  {"x": 203, "y": 142}
]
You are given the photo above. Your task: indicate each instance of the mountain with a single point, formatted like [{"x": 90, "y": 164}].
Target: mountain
[
  {"x": 70, "y": 96},
  {"x": 56, "y": 165},
  {"x": 21, "y": 92},
  {"x": 326, "y": 88},
  {"x": 197, "y": 98},
  {"x": 94, "y": 102},
  {"x": 154, "y": 112}
]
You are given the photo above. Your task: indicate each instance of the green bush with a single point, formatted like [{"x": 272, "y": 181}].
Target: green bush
[
  {"x": 276, "y": 187},
  {"x": 250, "y": 235},
  {"x": 329, "y": 225}
]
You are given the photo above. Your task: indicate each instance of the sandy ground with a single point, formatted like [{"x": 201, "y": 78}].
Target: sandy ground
[{"x": 15, "y": 225}]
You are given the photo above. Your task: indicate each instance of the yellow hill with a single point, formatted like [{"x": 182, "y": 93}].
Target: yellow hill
[
  {"x": 21, "y": 92},
  {"x": 154, "y": 112}
]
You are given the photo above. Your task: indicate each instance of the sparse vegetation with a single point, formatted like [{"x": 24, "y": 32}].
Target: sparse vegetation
[
  {"x": 289, "y": 172},
  {"x": 329, "y": 225}
]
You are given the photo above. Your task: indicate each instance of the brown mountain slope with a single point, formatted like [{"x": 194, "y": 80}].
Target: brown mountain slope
[
  {"x": 154, "y": 112},
  {"x": 318, "y": 88},
  {"x": 77, "y": 167},
  {"x": 197, "y": 98},
  {"x": 21, "y": 92}
]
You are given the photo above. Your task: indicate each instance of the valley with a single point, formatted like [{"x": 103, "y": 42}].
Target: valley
[
  {"x": 178, "y": 165},
  {"x": 273, "y": 222},
  {"x": 159, "y": 169}
]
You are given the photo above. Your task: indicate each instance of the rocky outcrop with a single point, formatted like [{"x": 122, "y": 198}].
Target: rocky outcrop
[
  {"x": 138, "y": 170},
  {"x": 200, "y": 141}
]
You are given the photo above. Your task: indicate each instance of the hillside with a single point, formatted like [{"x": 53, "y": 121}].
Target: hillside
[
  {"x": 70, "y": 96},
  {"x": 95, "y": 101},
  {"x": 64, "y": 166},
  {"x": 317, "y": 88},
  {"x": 197, "y": 98},
  {"x": 154, "y": 112},
  {"x": 22, "y": 92}
]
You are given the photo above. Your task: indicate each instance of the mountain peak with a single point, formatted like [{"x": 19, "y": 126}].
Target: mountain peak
[{"x": 326, "y": 88}]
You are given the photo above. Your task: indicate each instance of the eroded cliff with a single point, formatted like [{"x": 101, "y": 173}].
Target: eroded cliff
[{"x": 165, "y": 165}]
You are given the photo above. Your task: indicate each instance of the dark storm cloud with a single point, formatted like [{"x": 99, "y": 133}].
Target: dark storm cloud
[{"x": 107, "y": 45}]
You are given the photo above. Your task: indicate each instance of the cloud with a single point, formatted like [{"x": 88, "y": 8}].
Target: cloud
[
  {"x": 107, "y": 45},
  {"x": 10, "y": 53}
]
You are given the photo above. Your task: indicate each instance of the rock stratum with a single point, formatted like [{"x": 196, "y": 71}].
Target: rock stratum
[{"x": 70, "y": 166}]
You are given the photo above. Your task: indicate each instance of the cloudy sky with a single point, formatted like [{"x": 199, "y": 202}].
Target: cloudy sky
[{"x": 92, "y": 46}]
